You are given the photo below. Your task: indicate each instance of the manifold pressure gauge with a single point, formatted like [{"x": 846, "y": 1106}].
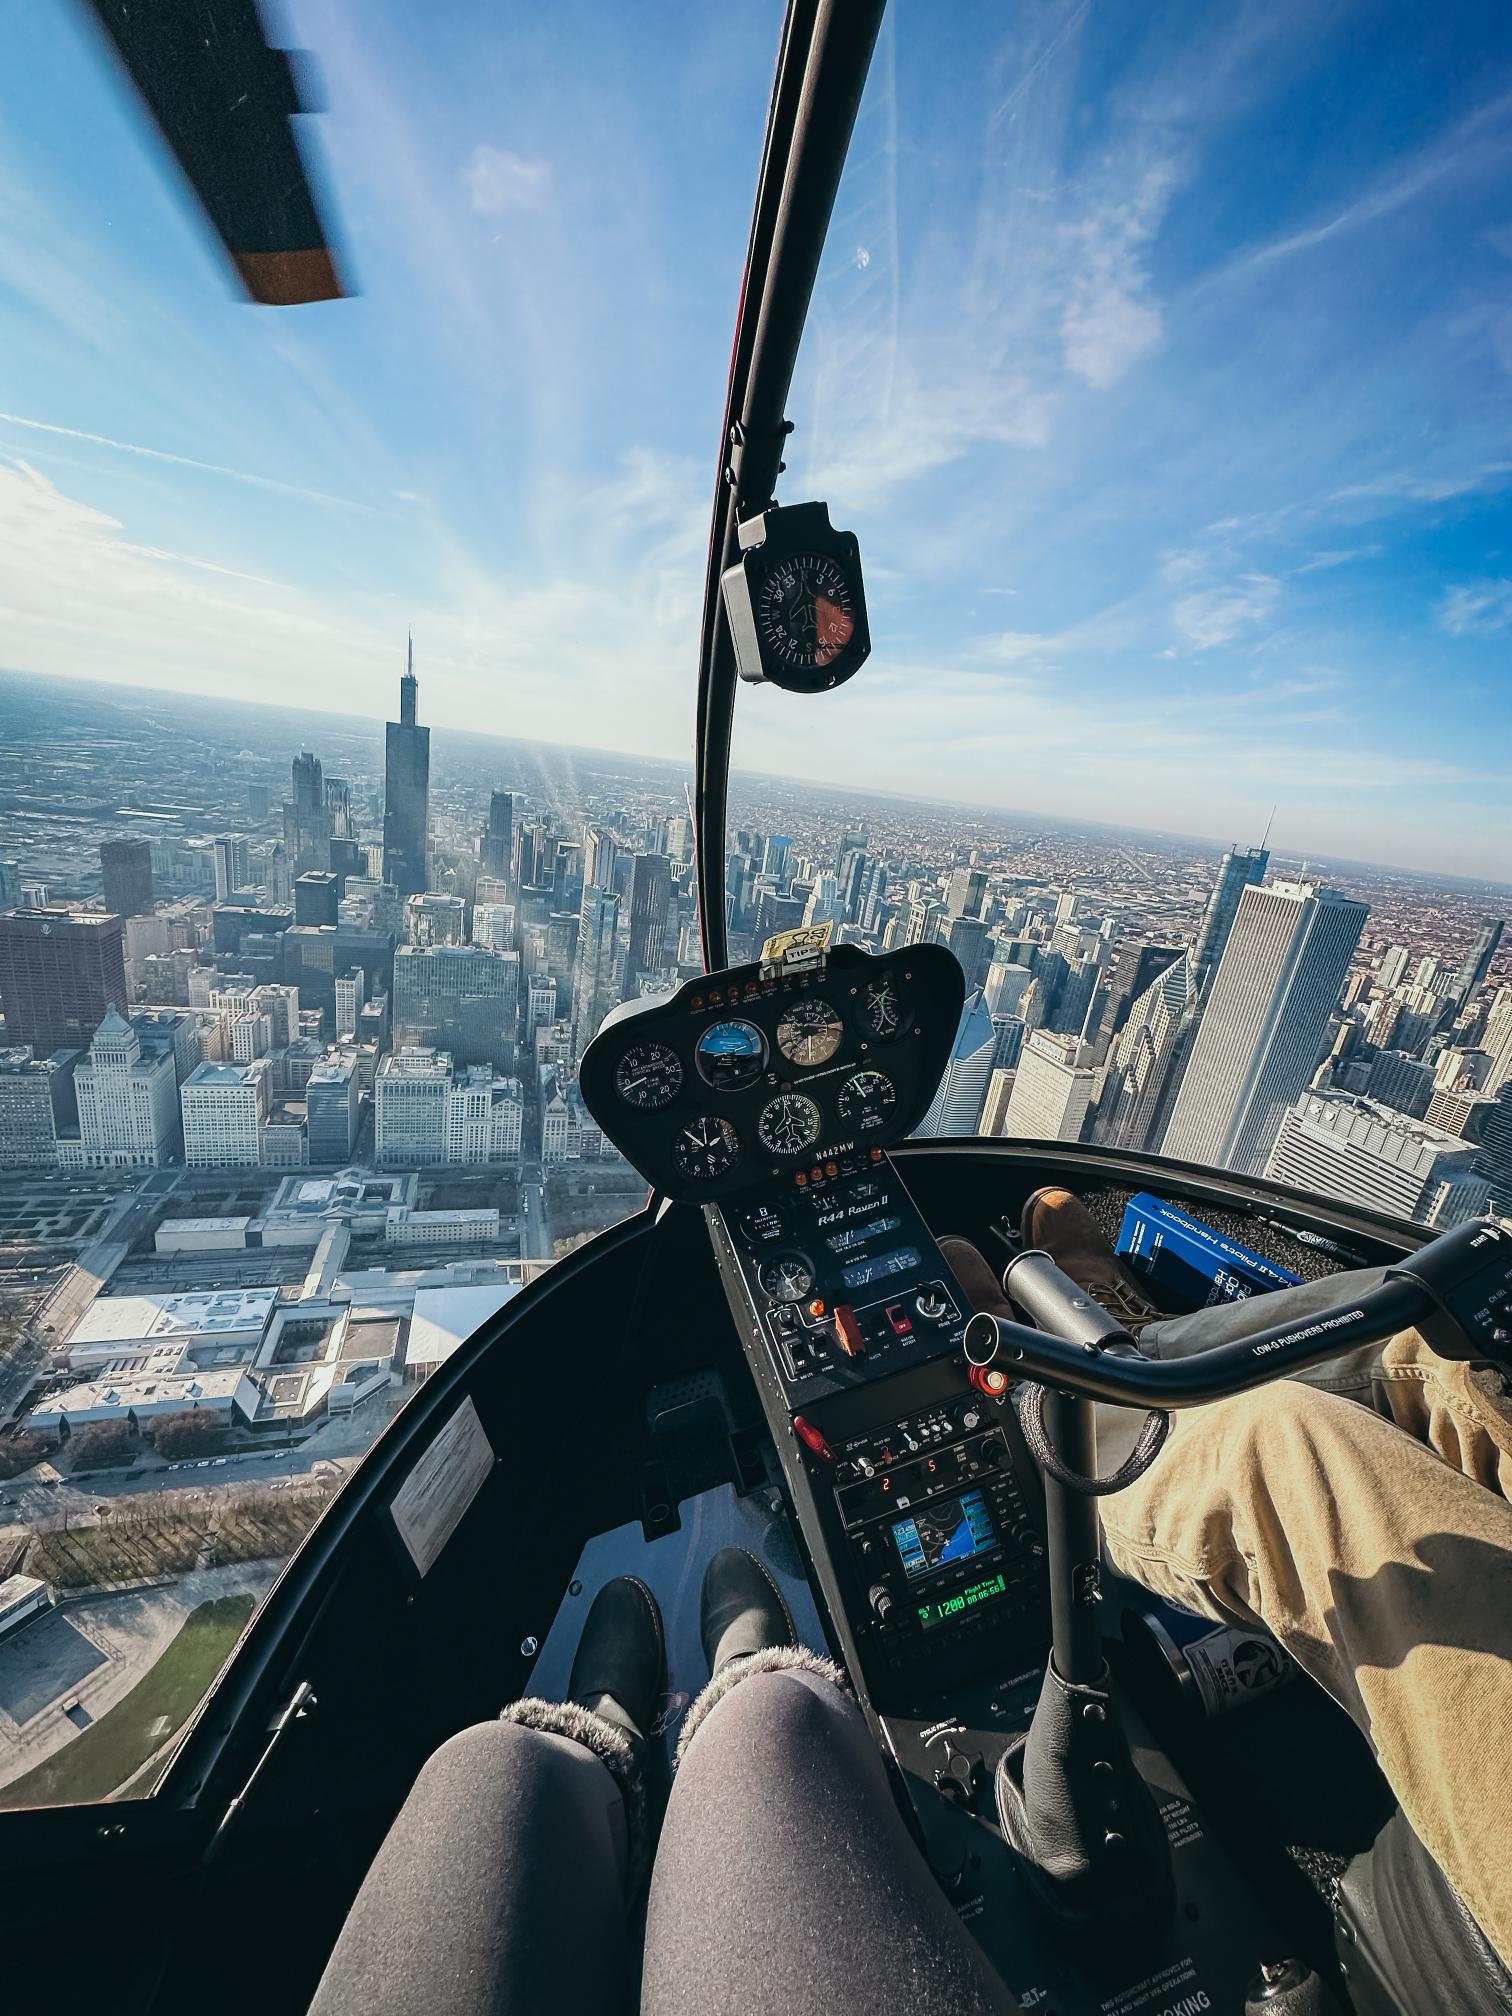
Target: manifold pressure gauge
[{"x": 795, "y": 602}]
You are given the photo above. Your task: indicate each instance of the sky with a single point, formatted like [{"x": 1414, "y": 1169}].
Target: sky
[{"x": 1160, "y": 360}]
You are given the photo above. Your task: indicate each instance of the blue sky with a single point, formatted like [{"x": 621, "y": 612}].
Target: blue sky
[{"x": 1160, "y": 359}]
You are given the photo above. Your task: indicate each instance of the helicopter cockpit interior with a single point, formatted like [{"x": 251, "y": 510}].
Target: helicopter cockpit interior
[{"x": 826, "y": 1339}]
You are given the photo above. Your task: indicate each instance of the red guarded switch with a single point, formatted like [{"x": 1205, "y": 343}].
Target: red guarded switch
[
  {"x": 848, "y": 1332},
  {"x": 812, "y": 1439},
  {"x": 900, "y": 1320}
]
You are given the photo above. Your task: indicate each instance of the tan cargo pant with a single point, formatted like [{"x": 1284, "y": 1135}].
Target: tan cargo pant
[{"x": 1382, "y": 1560}]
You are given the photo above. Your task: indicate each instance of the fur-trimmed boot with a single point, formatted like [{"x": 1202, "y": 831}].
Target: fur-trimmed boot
[
  {"x": 616, "y": 1681},
  {"x": 746, "y": 1628}
]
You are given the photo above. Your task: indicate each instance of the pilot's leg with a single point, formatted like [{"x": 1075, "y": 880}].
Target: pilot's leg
[
  {"x": 785, "y": 1878},
  {"x": 1386, "y": 1574},
  {"x": 505, "y": 1883},
  {"x": 1461, "y": 1411}
]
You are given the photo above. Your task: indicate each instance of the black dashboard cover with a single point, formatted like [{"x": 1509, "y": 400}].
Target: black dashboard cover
[{"x": 925, "y": 979}]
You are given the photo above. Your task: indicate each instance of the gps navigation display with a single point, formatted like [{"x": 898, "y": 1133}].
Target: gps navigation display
[{"x": 951, "y": 1529}]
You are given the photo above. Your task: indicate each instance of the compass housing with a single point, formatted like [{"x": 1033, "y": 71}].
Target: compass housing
[{"x": 796, "y": 602}]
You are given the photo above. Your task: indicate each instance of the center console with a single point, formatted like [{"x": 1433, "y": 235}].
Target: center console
[{"x": 770, "y": 1096}]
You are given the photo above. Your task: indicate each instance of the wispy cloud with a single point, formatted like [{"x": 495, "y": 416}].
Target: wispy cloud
[
  {"x": 500, "y": 184},
  {"x": 1476, "y": 608},
  {"x": 187, "y": 462},
  {"x": 1217, "y": 616}
]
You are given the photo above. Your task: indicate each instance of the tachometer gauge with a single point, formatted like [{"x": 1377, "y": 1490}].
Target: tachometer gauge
[
  {"x": 707, "y": 1147},
  {"x": 731, "y": 1054},
  {"x": 886, "y": 1008},
  {"x": 865, "y": 1100},
  {"x": 789, "y": 1124},
  {"x": 787, "y": 1277},
  {"x": 648, "y": 1076},
  {"x": 810, "y": 1031}
]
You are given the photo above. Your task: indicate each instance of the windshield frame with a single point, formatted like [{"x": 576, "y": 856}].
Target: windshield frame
[{"x": 822, "y": 67}]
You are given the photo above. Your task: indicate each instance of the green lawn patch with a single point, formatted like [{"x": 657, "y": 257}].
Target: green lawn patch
[{"x": 110, "y": 1751}]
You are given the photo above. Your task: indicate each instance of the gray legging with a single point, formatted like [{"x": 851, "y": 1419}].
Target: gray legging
[{"x": 784, "y": 1879}]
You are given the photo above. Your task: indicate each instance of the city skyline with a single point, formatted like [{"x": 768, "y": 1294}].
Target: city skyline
[
  {"x": 1283, "y": 847},
  {"x": 1179, "y": 481}
]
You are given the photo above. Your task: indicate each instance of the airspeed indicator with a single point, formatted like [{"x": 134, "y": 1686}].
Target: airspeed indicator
[{"x": 865, "y": 1101}]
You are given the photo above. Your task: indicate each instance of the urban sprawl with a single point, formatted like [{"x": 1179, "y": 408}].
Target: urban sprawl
[{"x": 289, "y": 1104}]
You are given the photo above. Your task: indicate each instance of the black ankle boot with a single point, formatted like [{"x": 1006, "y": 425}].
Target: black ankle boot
[
  {"x": 621, "y": 1665},
  {"x": 741, "y": 1610}
]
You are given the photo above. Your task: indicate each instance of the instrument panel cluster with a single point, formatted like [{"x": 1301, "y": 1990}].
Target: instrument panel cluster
[{"x": 741, "y": 1078}]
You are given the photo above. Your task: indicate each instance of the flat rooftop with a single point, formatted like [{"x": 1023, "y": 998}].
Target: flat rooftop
[
  {"x": 124, "y": 1319},
  {"x": 446, "y": 1317}
]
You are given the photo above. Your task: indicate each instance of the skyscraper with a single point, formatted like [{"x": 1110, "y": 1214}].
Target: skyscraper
[
  {"x": 307, "y": 822},
  {"x": 1146, "y": 1058},
  {"x": 406, "y": 789},
  {"x": 1476, "y": 963},
  {"x": 1240, "y": 869},
  {"x": 650, "y": 893},
  {"x": 126, "y": 866},
  {"x": 1264, "y": 1024},
  {"x": 233, "y": 867},
  {"x": 1369, "y": 1154},
  {"x": 59, "y": 972},
  {"x": 1052, "y": 1090},
  {"x": 594, "y": 989},
  {"x": 957, "y": 1105},
  {"x": 496, "y": 847},
  {"x": 128, "y": 1099},
  {"x": 10, "y": 885},
  {"x": 965, "y": 890}
]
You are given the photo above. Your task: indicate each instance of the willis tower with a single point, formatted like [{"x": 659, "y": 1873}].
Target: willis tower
[{"x": 406, "y": 789}]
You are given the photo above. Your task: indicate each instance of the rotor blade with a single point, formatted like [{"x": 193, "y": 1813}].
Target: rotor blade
[{"x": 223, "y": 100}]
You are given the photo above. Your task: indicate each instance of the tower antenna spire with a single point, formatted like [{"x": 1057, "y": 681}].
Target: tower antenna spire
[
  {"x": 1265, "y": 836},
  {"x": 409, "y": 655}
]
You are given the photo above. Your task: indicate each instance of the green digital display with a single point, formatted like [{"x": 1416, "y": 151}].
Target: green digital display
[{"x": 959, "y": 1601}]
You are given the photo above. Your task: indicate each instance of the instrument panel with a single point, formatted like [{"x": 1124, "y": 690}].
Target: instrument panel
[{"x": 742, "y": 1078}]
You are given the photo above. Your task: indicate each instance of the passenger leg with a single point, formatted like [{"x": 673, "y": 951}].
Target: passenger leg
[
  {"x": 505, "y": 1883},
  {"x": 500, "y": 1888},
  {"x": 786, "y": 1879},
  {"x": 1386, "y": 1574}
]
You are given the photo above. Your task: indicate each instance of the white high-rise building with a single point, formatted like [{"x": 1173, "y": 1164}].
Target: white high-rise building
[
  {"x": 128, "y": 1101},
  {"x": 427, "y": 1111},
  {"x": 409, "y": 1101},
  {"x": 999, "y": 1092},
  {"x": 351, "y": 992},
  {"x": 1369, "y": 1154},
  {"x": 1052, "y": 1090},
  {"x": 233, "y": 866},
  {"x": 1265, "y": 1023},
  {"x": 957, "y": 1105},
  {"x": 494, "y": 926},
  {"x": 224, "y": 1107}
]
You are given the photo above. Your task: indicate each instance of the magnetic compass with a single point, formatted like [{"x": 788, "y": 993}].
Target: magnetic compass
[{"x": 795, "y": 600}]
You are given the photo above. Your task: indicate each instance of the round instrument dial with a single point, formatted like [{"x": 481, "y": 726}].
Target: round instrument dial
[
  {"x": 787, "y": 1277},
  {"x": 810, "y": 1031},
  {"x": 789, "y": 1125},
  {"x": 648, "y": 1076},
  {"x": 886, "y": 1008},
  {"x": 866, "y": 1100},
  {"x": 731, "y": 1054},
  {"x": 707, "y": 1147},
  {"x": 805, "y": 610}
]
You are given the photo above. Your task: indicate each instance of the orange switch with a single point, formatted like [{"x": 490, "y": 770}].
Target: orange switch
[{"x": 848, "y": 1332}]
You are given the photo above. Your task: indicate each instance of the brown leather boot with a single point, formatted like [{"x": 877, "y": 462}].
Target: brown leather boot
[{"x": 1056, "y": 1222}]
